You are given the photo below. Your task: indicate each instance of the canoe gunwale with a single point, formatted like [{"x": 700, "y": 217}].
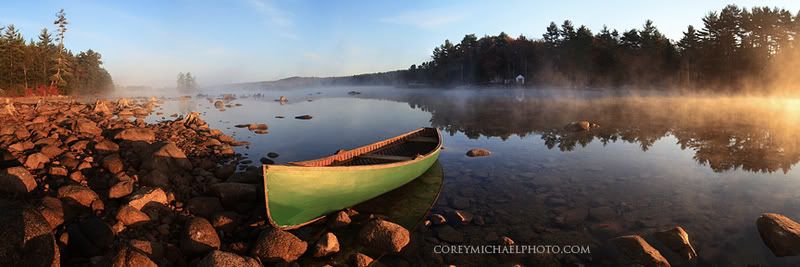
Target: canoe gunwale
[{"x": 301, "y": 168}]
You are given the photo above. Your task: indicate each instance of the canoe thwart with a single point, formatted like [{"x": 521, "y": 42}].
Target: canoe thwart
[{"x": 385, "y": 157}]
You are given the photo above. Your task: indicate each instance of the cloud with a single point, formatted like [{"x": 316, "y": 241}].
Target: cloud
[{"x": 426, "y": 19}]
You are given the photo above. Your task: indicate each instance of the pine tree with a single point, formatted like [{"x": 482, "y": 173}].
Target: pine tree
[{"x": 61, "y": 65}]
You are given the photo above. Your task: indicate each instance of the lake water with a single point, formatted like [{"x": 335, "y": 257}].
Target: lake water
[{"x": 709, "y": 164}]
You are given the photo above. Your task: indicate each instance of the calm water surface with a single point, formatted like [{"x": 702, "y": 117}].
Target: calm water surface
[{"x": 711, "y": 165}]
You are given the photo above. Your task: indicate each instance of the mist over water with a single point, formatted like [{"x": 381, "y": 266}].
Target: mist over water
[{"x": 711, "y": 164}]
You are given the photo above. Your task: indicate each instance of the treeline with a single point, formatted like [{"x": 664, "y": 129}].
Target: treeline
[
  {"x": 44, "y": 66},
  {"x": 735, "y": 48}
]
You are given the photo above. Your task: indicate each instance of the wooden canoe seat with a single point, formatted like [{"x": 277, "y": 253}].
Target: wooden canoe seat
[
  {"x": 422, "y": 139},
  {"x": 385, "y": 157}
]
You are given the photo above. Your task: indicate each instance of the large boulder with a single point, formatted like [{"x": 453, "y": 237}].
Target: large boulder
[
  {"x": 136, "y": 134},
  {"x": 780, "y": 233},
  {"x": 147, "y": 196},
  {"x": 16, "y": 180},
  {"x": 167, "y": 158},
  {"x": 128, "y": 216},
  {"x": 677, "y": 241},
  {"x": 274, "y": 245},
  {"x": 36, "y": 161},
  {"x": 86, "y": 126},
  {"x": 127, "y": 256},
  {"x": 384, "y": 236},
  {"x": 27, "y": 237},
  {"x": 204, "y": 206},
  {"x": 90, "y": 236},
  {"x": 326, "y": 245},
  {"x": 80, "y": 195},
  {"x": 218, "y": 258},
  {"x": 199, "y": 237},
  {"x": 52, "y": 210},
  {"x": 633, "y": 250},
  {"x": 234, "y": 194}
]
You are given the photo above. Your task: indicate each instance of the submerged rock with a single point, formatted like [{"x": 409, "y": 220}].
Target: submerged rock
[
  {"x": 478, "y": 152},
  {"x": 780, "y": 234},
  {"x": 275, "y": 245},
  {"x": 384, "y": 236},
  {"x": 303, "y": 117}
]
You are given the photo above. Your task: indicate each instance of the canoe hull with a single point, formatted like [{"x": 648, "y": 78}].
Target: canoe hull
[{"x": 297, "y": 195}]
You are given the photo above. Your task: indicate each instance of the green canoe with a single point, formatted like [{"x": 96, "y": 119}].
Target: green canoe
[{"x": 302, "y": 192}]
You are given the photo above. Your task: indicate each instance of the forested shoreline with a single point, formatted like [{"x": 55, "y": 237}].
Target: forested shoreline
[
  {"x": 45, "y": 67},
  {"x": 736, "y": 49}
]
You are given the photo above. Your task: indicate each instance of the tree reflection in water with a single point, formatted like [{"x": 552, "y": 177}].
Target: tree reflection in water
[{"x": 755, "y": 134}]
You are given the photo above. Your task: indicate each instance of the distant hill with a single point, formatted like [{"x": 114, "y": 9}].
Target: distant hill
[{"x": 381, "y": 78}]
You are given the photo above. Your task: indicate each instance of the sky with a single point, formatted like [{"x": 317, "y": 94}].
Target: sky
[{"x": 148, "y": 42}]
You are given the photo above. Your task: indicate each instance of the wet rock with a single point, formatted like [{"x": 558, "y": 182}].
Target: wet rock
[
  {"x": 130, "y": 216},
  {"x": 326, "y": 245},
  {"x": 462, "y": 217},
  {"x": 459, "y": 203},
  {"x": 86, "y": 126},
  {"x": 257, "y": 126},
  {"x": 438, "y": 219},
  {"x": 16, "y": 180},
  {"x": 478, "y": 152},
  {"x": 634, "y": 250},
  {"x": 90, "y": 236},
  {"x": 341, "y": 219},
  {"x": 78, "y": 194},
  {"x": 449, "y": 234},
  {"x": 303, "y": 117},
  {"x": 384, "y": 236},
  {"x": 225, "y": 171},
  {"x": 219, "y": 258},
  {"x": 124, "y": 256},
  {"x": 780, "y": 233},
  {"x": 204, "y": 206},
  {"x": 113, "y": 164},
  {"x": 677, "y": 240},
  {"x": 199, "y": 237},
  {"x": 106, "y": 146},
  {"x": 233, "y": 194},
  {"x": 52, "y": 211},
  {"x": 147, "y": 195},
  {"x": 274, "y": 245},
  {"x": 136, "y": 134},
  {"x": 27, "y": 237},
  {"x": 266, "y": 161},
  {"x": 272, "y": 155},
  {"x": 36, "y": 161}
]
